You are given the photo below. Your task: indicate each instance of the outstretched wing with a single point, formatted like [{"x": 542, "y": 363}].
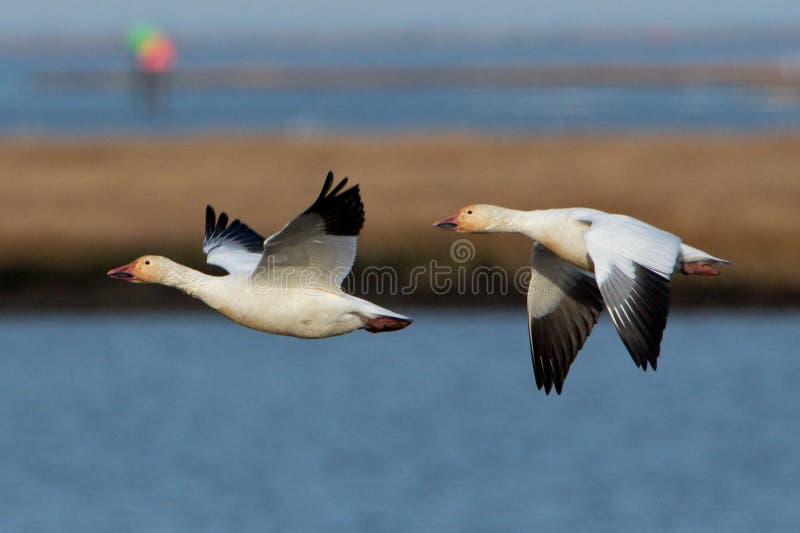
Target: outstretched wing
[
  {"x": 234, "y": 247},
  {"x": 563, "y": 305},
  {"x": 320, "y": 242},
  {"x": 633, "y": 262}
]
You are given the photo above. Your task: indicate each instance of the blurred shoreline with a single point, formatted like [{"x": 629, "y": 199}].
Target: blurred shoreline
[
  {"x": 73, "y": 208},
  {"x": 776, "y": 75}
]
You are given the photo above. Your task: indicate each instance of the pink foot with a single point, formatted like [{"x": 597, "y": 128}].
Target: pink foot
[
  {"x": 385, "y": 323},
  {"x": 699, "y": 269}
]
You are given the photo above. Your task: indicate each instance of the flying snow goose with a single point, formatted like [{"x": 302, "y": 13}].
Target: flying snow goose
[
  {"x": 584, "y": 260},
  {"x": 288, "y": 284}
]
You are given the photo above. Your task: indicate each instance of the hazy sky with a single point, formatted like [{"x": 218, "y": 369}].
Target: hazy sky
[{"x": 26, "y": 17}]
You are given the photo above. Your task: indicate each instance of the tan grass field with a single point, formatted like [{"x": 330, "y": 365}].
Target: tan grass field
[{"x": 64, "y": 204}]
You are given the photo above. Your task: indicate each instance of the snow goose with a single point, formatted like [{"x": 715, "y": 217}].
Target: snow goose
[
  {"x": 584, "y": 260},
  {"x": 288, "y": 284}
]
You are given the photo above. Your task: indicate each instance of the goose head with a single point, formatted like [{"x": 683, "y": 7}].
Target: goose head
[
  {"x": 146, "y": 269},
  {"x": 477, "y": 218}
]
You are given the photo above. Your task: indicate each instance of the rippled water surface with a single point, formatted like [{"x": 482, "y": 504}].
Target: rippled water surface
[{"x": 187, "y": 422}]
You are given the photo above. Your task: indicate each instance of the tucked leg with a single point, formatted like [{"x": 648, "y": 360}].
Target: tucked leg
[
  {"x": 385, "y": 323},
  {"x": 699, "y": 269}
]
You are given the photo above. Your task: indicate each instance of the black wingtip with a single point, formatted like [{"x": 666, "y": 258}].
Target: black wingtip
[
  {"x": 222, "y": 222},
  {"x": 211, "y": 219},
  {"x": 327, "y": 185},
  {"x": 642, "y": 330},
  {"x": 341, "y": 210},
  {"x": 339, "y": 187},
  {"x": 218, "y": 231},
  {"x": 326, "y": 191}
]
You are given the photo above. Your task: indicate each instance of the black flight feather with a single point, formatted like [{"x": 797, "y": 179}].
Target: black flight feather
[
  {"x": 218, "y": 232},
  {"x": 341, "y": 212}
]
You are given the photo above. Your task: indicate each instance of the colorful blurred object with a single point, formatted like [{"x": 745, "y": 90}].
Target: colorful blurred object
[{"x": 154, "y": 50}]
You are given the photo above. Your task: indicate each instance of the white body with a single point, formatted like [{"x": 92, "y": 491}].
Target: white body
[
  {"x": 290, "y": 310},
  {"x": 563, "y": 231},
  {"x": 287, "y": 284},
  {"x": 584, "y": 261}
]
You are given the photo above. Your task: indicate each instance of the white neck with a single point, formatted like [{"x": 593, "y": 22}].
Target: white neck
[
  {"x": 534, "y": 224},
  {"x": 191, "y": 281}
]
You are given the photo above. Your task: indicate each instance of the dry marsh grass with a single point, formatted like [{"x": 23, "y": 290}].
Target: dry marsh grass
[{"x": 736, "y": 196}]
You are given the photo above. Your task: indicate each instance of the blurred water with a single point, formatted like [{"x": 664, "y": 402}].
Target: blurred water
[
  {"x": 29, "y": 109},
  {"x": 171, "y": 422}
]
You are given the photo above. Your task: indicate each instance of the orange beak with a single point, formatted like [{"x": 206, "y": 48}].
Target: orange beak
[
  {"x": 449, "y": 223},
  {"x": 125, "y": 272}
]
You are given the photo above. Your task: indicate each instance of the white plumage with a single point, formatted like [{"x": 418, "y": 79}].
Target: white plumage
[
  {"x": 288, "y": 284},
  {"x": 585, "y": 260}
]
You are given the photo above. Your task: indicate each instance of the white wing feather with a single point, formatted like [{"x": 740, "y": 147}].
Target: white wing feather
[
  {"x": 621, "y": 241},
  {"x": 318, "y": 245},
  {"x": 633, "y": 262},
  {"x": 234, "y": 247}
]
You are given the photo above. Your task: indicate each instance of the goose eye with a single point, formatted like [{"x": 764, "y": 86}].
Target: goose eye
[
  {"x": 469, "y": 212},
  {"x": 147, "y": 262}
]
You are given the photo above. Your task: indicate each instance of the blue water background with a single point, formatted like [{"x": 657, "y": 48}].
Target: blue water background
[
  {"x": 28, "y": 108},
  {"x": 188, "y": 422}
]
